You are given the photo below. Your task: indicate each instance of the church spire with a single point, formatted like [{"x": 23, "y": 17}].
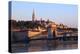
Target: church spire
[{"x": 33, "y": 16}]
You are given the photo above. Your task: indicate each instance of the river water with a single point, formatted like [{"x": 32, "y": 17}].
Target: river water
[{"x": 43, "y": 45}]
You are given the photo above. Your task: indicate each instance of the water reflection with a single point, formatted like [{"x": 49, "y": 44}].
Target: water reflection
[{"x": 43, "y": 45}]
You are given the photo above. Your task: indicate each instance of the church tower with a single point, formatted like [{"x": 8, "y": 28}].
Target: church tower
[{"x": 33, "y": 16}]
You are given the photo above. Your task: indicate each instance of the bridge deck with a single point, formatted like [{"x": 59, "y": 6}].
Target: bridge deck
[{"x": 58, "y": 38}]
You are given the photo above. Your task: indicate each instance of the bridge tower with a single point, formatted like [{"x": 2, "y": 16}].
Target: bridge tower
[{"x": 52, "y": 31}]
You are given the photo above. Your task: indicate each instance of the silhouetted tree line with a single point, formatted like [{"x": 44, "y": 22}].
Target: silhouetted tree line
[{"x": 25, "y": 24}]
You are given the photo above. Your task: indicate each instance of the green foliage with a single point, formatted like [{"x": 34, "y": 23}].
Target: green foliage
[{"x": 26, "y": 24}]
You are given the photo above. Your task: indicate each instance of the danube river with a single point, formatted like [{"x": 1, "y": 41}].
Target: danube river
[{"x": 43, "y": 45}]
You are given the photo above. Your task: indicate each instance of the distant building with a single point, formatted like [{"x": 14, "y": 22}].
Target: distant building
[
  {"x": 62, "y": 26},
  {"x": 33, "y": 16}
]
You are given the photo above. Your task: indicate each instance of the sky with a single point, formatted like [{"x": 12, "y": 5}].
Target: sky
[{"x": 66, "y": 14}]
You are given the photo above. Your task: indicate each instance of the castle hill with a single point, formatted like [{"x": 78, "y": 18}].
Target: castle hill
[
  {"x": 35, "y": 27},
  {"x": 42, "y": 27}
]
